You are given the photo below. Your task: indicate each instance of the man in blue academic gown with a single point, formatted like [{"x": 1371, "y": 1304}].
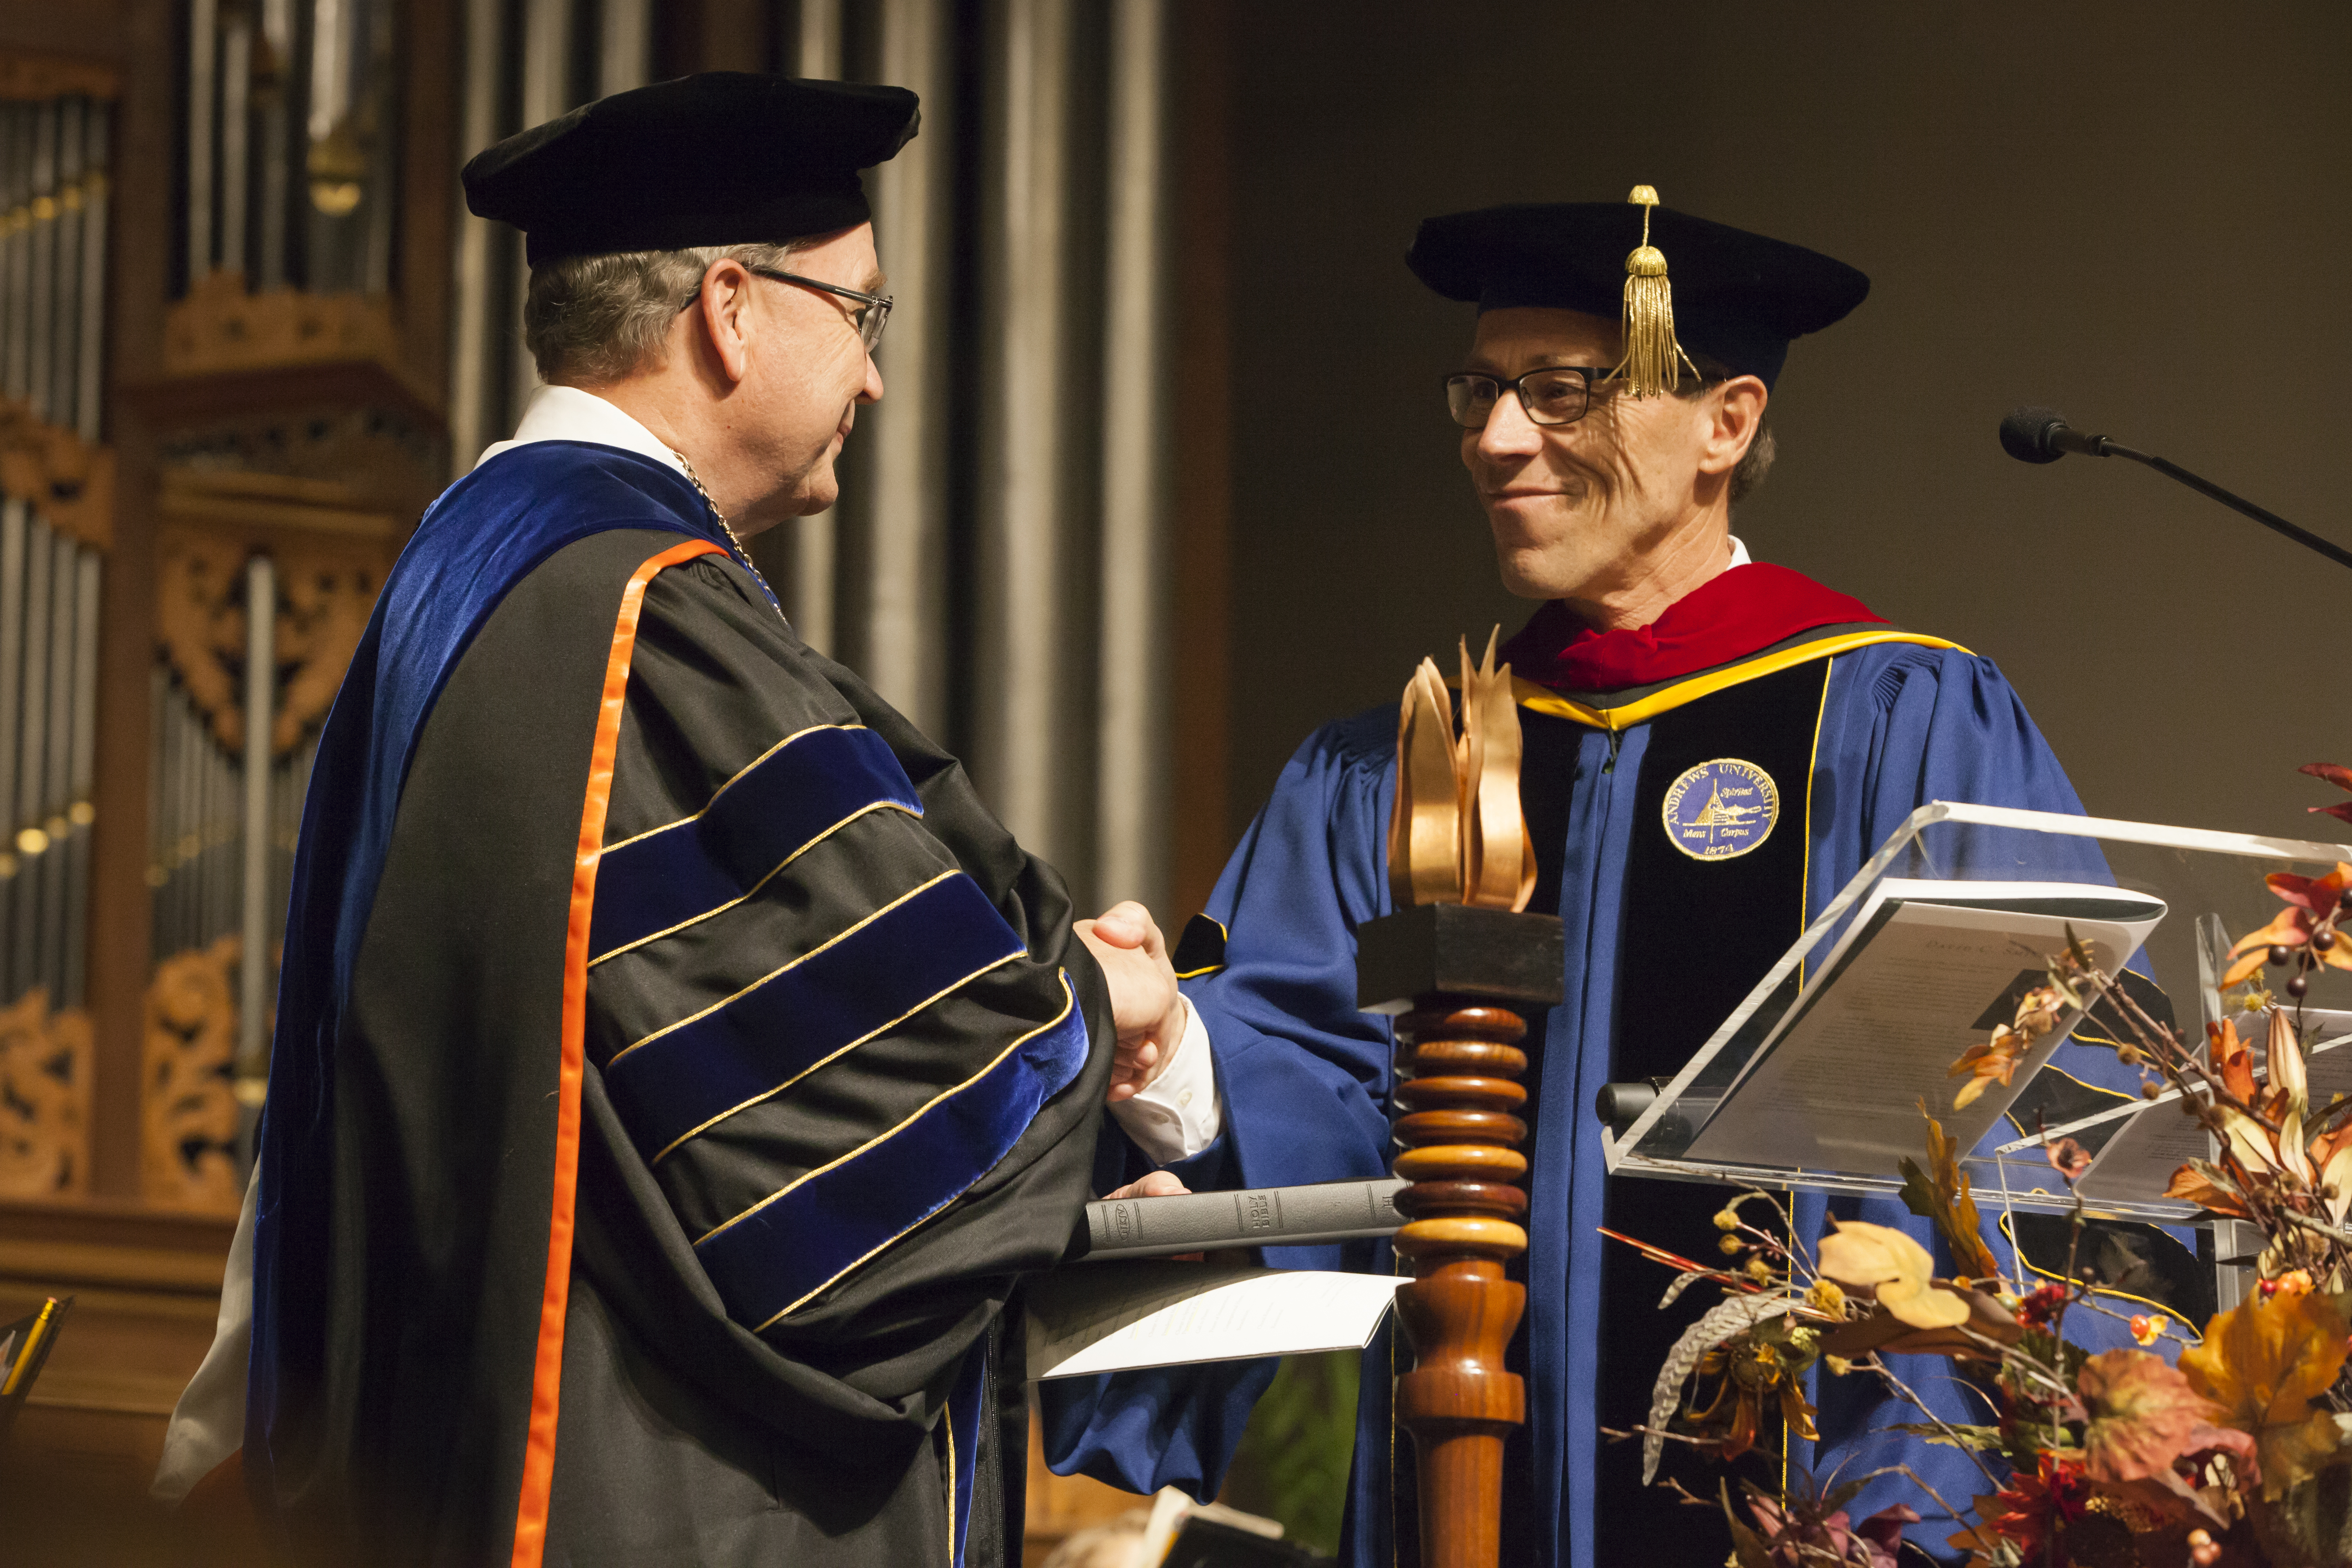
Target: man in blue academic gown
[{"x": 1661, "y": 652}]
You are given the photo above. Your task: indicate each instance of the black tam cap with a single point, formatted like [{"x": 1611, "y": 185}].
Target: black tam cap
[
  {"x": 723, "y": 158},
  {"x": 1738, "y": 297}
]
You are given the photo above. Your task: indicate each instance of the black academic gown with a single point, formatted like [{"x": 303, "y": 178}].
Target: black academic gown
[{"x": 645, "y": 1177}]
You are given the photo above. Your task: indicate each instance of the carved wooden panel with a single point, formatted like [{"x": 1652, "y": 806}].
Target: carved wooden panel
[
  {"x": 188, "y": 1110},
  {"x": 219, "y": 327},
  {"x": 31, "y": 77},
  {"x": 326, "y": 590},
  {"x": 325, "y": 598},
  {"x": 69, "y": 481},
  {"x": 44, "y": 1068}
]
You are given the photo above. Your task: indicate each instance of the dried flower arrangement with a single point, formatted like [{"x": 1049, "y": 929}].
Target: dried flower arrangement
[{"x": 2229, "y": 1448}]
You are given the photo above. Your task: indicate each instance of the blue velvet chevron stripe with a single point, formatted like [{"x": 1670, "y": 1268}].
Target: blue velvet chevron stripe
[
  {"x": 777, "y": 1254},
  {"x": 672, "y": 1085},
  {"x": 805, "y": 786}
]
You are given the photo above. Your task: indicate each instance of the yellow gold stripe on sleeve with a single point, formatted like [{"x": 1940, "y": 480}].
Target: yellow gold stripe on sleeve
[
  {"x": 1069, "y": 1001},
  {"x": 733, "y": 779},
  {"x": 1542, "y": 699},
  {"x": 832, "y": 1056},
  {"x": 755, "y": 891},
  {"x": 838, "y": 937}
]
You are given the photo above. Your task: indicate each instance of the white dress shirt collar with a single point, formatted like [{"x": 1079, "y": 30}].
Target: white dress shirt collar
[{"x": 568, "y": 413}]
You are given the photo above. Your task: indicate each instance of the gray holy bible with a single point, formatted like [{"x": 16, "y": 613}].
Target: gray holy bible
[{"x": 1266, "y": 1216}]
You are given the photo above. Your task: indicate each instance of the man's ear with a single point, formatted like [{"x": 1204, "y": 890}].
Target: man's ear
[
  {"x": 723, "y": 310},
  {"x": 1736, "y": 413}
]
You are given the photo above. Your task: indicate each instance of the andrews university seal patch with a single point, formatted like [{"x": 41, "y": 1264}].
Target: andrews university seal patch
[{"x": 1721, "y": 809}]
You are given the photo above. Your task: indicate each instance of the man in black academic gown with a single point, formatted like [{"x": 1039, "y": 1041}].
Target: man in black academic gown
[{"x": 677, "y": 1065}]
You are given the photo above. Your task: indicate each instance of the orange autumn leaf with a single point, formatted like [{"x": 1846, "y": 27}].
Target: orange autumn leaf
[
  {"x": 2290, "y": 930},
  {"x": 2144, "y": 1418},
  {"x": 2315, "y": 895},
  {"x": 2264, "y": 1363},
  {"x": 2309, "y": 900},
  {"x": 2340, "y": 777},
  {"x": 1989, "y": 1062},
  {"x": 2190, "y": 1184},
  {"x": 2233, "y": 1063}
]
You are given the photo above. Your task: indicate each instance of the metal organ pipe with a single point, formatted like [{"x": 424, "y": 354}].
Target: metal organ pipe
[
  {"x": 64, "y": 266},
  {"x": 255, "y": 969},
  {"x": 41, "y": 323},
  {"x": 57, "y": 772},
  {"x": 203, "y": 34},
  {"x": 15, "y": 242},
  {"x": 24, "y": 962},
  {"x": 237, "y": 62},
  {"x": 90, "y": 347},
  {"x": 1130, "y": 781},
  {"x": 1022, "y": 734}
]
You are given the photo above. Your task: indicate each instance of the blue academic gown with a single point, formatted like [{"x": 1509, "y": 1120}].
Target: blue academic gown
[{"x": 1305, "y": 1078}]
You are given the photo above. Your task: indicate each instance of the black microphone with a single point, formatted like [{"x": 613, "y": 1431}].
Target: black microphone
[{"x": 2042, "y": 435}]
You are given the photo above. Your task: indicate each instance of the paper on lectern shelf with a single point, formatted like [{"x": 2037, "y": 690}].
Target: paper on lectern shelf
[
  {"x": 1111, "y": 1317},
  {"x": 1923, "y": 969},
  {"x": 2137, "y": 1162}
]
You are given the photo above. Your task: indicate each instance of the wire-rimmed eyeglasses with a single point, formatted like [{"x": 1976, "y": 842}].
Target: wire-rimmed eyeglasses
[{"x": 871, "y": 319}]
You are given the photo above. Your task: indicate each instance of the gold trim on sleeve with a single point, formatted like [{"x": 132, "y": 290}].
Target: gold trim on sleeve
[
  {"x": 834, "y": 939},
  {"x": 832, "y": 1055},
  {"x": 753, "y": 892},
  {"x": 1069, "y": 1001},
  {"x": 732, "y": 779}
]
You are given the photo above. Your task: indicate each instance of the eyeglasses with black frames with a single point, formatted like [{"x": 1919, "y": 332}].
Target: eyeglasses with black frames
[
  {"x": 1555, "y": 395},
  {"x": 871, "y": 317}
]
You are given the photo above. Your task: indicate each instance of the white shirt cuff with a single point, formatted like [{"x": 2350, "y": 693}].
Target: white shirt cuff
[{"x": 1179, "y": 1115}]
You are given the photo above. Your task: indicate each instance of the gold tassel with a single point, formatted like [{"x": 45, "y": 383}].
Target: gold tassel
[{"x": 1654, "y": 360}]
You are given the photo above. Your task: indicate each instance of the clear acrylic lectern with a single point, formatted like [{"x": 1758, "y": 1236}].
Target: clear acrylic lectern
[{"x": 1813, "y": 1081}]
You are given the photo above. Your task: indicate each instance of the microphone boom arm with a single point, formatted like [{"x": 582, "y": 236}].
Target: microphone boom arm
[{"x": 2106, "y": 447}]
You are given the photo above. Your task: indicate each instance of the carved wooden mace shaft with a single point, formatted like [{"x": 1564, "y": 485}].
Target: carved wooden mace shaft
[
  {"x": 1463, "y": 981},
  {"x": 1458, "y": 1069}
]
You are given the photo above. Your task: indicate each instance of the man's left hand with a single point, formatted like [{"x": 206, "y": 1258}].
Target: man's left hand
[
  {"x": 1144, "y": 1002},
  {"x": 1157, "y": 1185}
]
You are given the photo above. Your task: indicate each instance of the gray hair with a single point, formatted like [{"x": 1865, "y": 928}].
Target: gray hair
[{"x": 595, "y": 319}]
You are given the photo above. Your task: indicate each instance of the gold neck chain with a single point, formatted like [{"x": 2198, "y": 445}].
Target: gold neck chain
[{"x": 740, "y": 553}]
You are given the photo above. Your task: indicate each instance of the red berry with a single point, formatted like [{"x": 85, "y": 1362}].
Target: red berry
[
  {"x": 2297, "y": 984},
  {"x": 2277, "y": 954}
]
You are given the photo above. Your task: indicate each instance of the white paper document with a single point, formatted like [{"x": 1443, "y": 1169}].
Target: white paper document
[
  {"x": 1924, "y": 970},
  {"x": 1111, "y": 1317},
  {"x": 2137, "y": 1163}
]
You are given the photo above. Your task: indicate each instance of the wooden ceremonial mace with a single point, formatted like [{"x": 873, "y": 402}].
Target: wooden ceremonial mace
[{"x": 1462, "y": 979}]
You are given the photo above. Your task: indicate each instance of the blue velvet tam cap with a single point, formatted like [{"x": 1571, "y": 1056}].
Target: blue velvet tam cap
[
  {"x": 722, "y": 158},
  {"x": 1738, "y": 297}
]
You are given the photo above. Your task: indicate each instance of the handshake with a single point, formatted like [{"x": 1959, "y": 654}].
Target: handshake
[{"x": 1148, "y": 1009}]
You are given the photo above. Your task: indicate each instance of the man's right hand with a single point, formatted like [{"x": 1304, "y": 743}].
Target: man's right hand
[{"x": 1149, "y": 1010}]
